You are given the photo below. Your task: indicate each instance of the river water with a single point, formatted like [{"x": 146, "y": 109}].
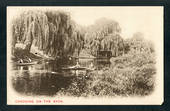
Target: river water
[{"x": 48, "y": 77}]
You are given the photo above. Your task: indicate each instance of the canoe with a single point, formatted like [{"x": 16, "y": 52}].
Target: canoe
[
  {"x": 73, "y": 68},
  {"x": 24, "y": 64},
  {"x": 83, "y": 57}
]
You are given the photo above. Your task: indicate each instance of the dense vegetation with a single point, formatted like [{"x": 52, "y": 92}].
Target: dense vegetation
[
  {"x": 132, "y": 74},
  {"x": 104, "y": 35},
  {"x": 52, "y": 32},
  {"x": 56, "y": 35}
]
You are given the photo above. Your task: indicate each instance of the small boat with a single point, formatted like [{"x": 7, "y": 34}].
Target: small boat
[
  {"x": 74, "y": 68},
  {"x": 78, "y": 68},
  {"x": 83, "y": 57},
  {"x": 24, "y": 64}
]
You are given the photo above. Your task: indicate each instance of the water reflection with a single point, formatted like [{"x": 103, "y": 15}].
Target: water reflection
[{"x": 47, "y": 77}]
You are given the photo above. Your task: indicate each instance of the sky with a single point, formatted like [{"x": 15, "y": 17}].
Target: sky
[{"x": 132, "y": 19}]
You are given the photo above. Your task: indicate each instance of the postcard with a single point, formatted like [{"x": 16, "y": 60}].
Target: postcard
[{"x": 85, "y": 55}]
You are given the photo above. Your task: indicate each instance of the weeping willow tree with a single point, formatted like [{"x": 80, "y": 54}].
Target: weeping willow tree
[
  {"x": 52, "y": 32},
  {"x": 104, "y": 35}
]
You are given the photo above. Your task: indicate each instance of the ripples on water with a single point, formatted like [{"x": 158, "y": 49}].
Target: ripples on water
[{"x": 47, "y": 78}]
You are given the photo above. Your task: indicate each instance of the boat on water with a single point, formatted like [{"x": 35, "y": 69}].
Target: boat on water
[
  {"x": 73, "y": 68},
  {"x": 77, "y": 67},
  {"x": 24, "y": 64}
]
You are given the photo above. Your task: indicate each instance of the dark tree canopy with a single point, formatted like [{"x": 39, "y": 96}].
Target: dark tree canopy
[{"x": 52, "y": 32}]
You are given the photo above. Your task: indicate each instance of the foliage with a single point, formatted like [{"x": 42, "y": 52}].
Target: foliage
[
  {"x": 138, "y": 44},
  {"x": 53, "y": 32},
  {"x": 104, "y": 35},
  {"x": 132, "y": 74}
]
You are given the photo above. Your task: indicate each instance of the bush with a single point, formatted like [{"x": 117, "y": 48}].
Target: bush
[{"x": 129, "y": 75}]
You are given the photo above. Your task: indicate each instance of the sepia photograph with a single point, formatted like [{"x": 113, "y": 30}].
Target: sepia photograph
[{"x": 85, "y": 55}]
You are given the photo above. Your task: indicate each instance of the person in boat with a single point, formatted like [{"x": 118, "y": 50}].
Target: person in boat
[
  {"x": 91, "y": 65},
  {"x": 77, "y": 65},
  {"x": 28, "y": 59},
  {"x": 70, "y": 58},
  {"x": 21, "y": 61}
]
